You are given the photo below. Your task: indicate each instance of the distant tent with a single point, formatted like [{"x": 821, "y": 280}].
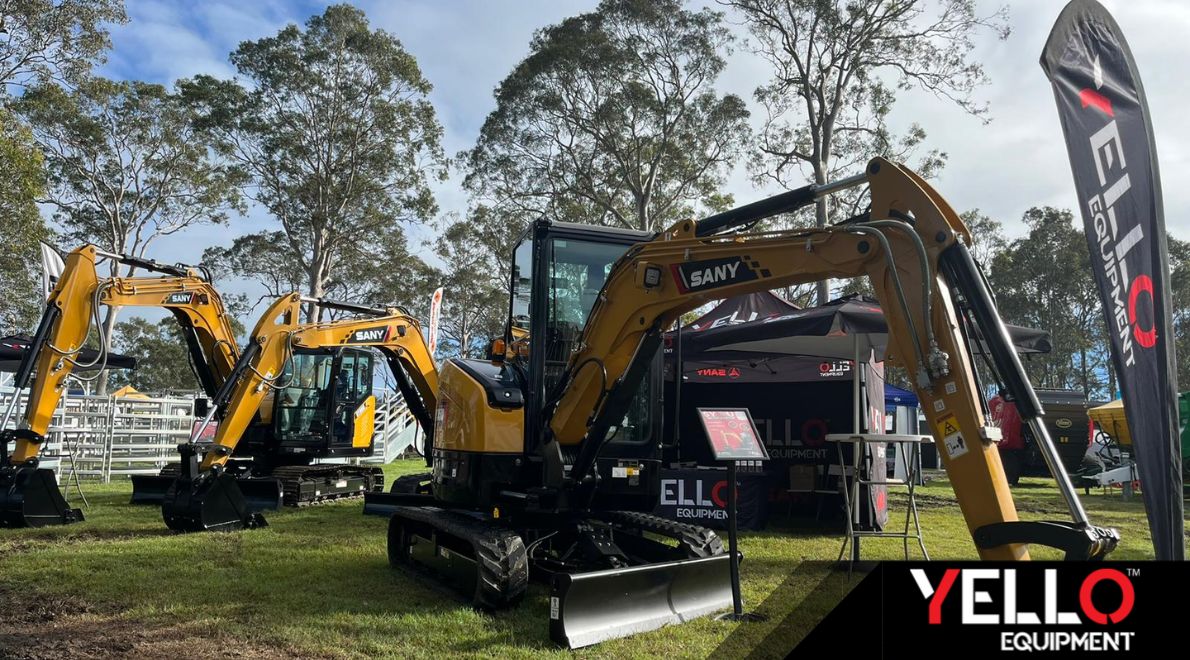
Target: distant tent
[
  {"x": 129, "y": 392},
  {"x": 897, "y": 397}
]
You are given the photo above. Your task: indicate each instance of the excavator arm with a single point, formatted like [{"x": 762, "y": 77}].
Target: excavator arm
[
  {"x": 209, "y": 499},
  {"x": 910, "y": 244},
  {"x": 60, "y": 336}
]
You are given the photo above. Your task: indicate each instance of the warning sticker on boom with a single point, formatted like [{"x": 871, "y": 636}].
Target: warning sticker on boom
[{"x": 952, "y": 437}]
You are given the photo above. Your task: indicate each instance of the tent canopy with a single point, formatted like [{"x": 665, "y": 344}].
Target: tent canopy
[
  {"x": 834, "y": 330},
  {"x": 14, "y": 347},
  {"x": 895, "y": 396}
]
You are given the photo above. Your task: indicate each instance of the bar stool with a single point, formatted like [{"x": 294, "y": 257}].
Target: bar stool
[{"x": 865, "y": 475}]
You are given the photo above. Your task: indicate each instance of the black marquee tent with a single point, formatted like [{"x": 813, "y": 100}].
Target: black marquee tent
[{"x": 13, "y": 348}]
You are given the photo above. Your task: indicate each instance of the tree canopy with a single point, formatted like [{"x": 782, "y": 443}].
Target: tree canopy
[
  {"x": 54, "y": 39},
  {"x": 125, "y": 164},
  {"x": 333, "y": 125},
  {"x": 24, "y": 180},
  {"x": 613, "y": 119},
  {"x": 836, "y": 68}
]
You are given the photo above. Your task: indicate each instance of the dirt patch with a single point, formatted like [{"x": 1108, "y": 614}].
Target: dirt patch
[{"x": 38, "y": 627}]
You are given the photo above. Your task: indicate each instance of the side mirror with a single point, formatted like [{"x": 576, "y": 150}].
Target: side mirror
[{"x": 202, "y": 406}]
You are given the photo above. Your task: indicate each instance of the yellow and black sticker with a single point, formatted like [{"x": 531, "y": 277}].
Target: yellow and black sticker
[{"x": 953, "y": 442}]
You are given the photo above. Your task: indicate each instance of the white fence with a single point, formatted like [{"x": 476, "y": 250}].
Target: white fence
[{"x": 103, "y": 437}]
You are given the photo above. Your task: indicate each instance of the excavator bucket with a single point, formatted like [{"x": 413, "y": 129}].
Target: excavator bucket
[
  {"x": 29, "y": 497},
  {"x": 151, "y": 488},
  {"x": 588, "y": 608},
  {"x": 208, "y": 503}
]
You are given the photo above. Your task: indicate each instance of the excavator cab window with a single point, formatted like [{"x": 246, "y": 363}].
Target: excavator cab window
[
  {"x": 322, "y": 390},
  {"x": 577, "y": 270}
]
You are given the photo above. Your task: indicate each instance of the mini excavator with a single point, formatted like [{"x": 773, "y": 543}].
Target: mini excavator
[
  {"x": 545, "y": 460},
  {"x": 319, "y": 379},
  {"x": 29, "y": 495}
]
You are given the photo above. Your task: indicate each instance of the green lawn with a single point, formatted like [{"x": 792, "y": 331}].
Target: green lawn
[{"x": 316, "y": 582}]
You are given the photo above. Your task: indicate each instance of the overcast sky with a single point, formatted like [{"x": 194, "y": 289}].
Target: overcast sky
[{"x": 465, "y": 47}]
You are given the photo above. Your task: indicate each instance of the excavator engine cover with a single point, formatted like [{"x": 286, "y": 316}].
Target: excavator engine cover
[
  {"x": 588, "y": 608},
  {"x": 210, "y": 502},
  {"x": 29, "y": 497}
]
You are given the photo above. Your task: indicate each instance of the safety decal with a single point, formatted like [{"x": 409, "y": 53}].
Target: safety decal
[{"x": 953, "y": 442}]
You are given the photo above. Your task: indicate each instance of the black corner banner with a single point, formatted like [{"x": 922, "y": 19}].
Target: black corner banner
[
  {"x": 1109, "y": 138},
  {"x": 967, "y": 609}
]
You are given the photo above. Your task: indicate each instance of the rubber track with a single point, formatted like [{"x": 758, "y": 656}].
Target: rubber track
[
  {"x": 499, "y": 553},
  {"x": 695, "y": 540},
  {"x": 291, "y": 477}
]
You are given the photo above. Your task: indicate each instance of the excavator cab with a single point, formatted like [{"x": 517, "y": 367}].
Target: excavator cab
[
  {"x": 559, "y": 270},
  {"x": 325, "y": 407}
]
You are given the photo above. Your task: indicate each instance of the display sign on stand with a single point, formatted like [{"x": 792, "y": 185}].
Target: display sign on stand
[{"x": 733, "y": 438}]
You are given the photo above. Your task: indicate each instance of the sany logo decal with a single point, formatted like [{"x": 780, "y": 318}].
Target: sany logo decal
[
  {"x": 971, "y": 584},
  {"x": 1132, "y": 293},
  {"x": 180, "y": 298},
  {"x": 719, "y": 372},
  {"x": 369, "y": 335},
  {"x": 714, "y": 273}
]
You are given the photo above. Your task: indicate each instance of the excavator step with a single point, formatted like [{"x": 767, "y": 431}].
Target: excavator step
[
  {"x": 29, "y": 497},
  {"x": 303, "y": 485},
  {"x": 479, "y": 559}
]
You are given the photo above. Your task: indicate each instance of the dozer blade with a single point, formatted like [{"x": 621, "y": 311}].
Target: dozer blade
[
  {"x": 209, "y": 503},
  {"x": 150, "y": 488},
  {"x": 588, "y": 608},
  {"x": 381, "y": 504},
  {"x": 260, "y": 494},
  {"x": 29, "y": 497}
]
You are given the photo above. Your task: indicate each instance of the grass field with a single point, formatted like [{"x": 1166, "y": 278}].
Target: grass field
[{"x": 316, "y": 583}]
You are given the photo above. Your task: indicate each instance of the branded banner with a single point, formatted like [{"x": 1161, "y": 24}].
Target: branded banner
[
  {"x": 1109, "y": 138},
  {"x": 435, "y": 315},
  {"x": 51, "y": 268},
  {"x": 947, "y": 609},
  {"x": 699, "y": 496}
]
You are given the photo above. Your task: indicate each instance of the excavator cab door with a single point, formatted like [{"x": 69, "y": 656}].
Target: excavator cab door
[
  {"x": 559, "y": 270},
  {"x": 326, "y": 394}
]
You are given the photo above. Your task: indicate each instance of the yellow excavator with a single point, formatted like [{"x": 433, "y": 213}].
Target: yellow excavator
[
  {"x": 29, "y": 495},
  {"x": 319, "y": 379},
  {"x": 546, "y": 460}
]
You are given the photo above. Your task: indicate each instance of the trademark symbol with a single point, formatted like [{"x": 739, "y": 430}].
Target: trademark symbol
[{"x": 1133, "y": 572}]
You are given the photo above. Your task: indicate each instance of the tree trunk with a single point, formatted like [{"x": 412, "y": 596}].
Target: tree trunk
[
  {"x": 821, "y": 216},
  {"x": 316, "y": 283}
]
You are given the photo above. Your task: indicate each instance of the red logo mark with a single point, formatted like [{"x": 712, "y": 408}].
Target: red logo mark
[
  {"x": 1093, "y": 99},
  {"x": 1142, "y": 284},
  {"x": 1092, "y": 612}
]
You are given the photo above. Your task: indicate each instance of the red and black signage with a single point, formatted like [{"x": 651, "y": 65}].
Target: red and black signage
[
  {"x": 699, "y": 496},
  {"x": 1109, "y": 138},
  {"x": 986, "y": 609}
]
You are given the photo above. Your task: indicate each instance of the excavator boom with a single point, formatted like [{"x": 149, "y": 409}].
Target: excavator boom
[
  {"x": 205, "y": 497},
  {"x": 29, "y": 495}
]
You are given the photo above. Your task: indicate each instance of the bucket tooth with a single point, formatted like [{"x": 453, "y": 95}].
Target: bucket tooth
[
  {"x": 30, "y": 497},
  {"x": 208, "y": 503}
]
